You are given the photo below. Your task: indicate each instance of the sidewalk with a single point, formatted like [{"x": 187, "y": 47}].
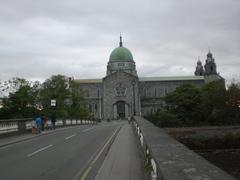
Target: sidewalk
[
  {"x": 15, "y": 139},
  {"x": 123, "y": 161}
]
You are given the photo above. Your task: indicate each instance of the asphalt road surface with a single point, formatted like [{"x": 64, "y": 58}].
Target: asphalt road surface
[{"x": 70, "y": 154}]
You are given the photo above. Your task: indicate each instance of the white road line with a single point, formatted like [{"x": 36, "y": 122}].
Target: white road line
[
  {"x": 88, "y": 129},
  {"x": 39, "y": 150},
  {"x": 70, "y": 136},
  {"x": 7, "y": 146}
]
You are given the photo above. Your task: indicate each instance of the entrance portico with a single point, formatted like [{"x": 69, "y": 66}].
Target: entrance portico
[{"x": 120, "y": 110}]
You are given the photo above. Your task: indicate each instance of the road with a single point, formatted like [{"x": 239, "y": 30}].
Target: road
[{"x": 69, "y": 154}]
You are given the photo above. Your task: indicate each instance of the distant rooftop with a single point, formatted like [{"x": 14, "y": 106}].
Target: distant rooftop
[
  {"x": 163, "y": 78},
  {"x": 88, "y": 80},
  {"x": 171, "y": 78}
]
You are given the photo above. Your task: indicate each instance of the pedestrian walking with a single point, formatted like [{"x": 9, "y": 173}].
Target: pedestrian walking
[
  {"x": 38, "y": 122},
  {"x": 53, "y": 121},
  {"x": 43, "y": 123}
]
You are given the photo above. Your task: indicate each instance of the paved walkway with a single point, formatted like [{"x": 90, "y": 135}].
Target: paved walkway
[{"x": 123, "y": 161}]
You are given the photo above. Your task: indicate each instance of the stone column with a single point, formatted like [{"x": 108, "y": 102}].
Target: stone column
[
  {"x": 115, "y": 111},
  {"x": 126, "y": 111}
]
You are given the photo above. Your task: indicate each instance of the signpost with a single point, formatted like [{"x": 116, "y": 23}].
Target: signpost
[
  {"x": 53, "y": 116},
  {"x": 53, "y": 102}
]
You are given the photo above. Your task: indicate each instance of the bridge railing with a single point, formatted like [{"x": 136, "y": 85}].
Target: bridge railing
[
  {"x": 23, "y": 125},
  {"x": 168, "y": 159}
]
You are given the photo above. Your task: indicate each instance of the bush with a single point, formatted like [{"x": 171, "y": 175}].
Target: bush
[{"x": 164, "y": 119}]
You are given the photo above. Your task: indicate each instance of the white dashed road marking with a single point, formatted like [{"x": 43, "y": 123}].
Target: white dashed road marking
[
  {"x": 70, "y": 136},
  {"x": 39, "y": 150}
]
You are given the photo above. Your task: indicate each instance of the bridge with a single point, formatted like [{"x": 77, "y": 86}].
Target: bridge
[{"x": 84, "y": 150}]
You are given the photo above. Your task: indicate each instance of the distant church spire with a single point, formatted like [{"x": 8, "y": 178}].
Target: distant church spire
[
  {"x": 120, "y": 43},
  {"x": 199, "y": 69}
]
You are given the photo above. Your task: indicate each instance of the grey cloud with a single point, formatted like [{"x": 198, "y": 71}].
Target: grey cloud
[{"x": 41, "y": 38}]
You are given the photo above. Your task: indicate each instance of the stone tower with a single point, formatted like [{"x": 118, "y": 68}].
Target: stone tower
[
  {"x": 210, "y": 66},
  {"x": 121, "y": 85},
  {"x": 199, "y": 69}
]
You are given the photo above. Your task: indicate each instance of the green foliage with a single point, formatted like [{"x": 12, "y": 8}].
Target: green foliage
[
  {"x": 164, "y": 119},
  {"x": 68, "y": 95},
  {"x": 184, "y": 103},
  {"x": 21, "y": 101},
  {"x": 211, "y": 104},
  {"x": 229, "y": 140},
  {"x": 26, "y": 99},
  {"x": 77, "y": 107},
  {"x": 233, "y": 103},
  {"x": 56, "y": 88}
]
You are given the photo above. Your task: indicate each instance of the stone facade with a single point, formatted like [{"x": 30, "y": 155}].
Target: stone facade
[
  {"x": 153, "y": 90},
  {"x": 93, "y": 92},
  {"x": 122, "y": 94},
  {"x": 120, "y": 87}
]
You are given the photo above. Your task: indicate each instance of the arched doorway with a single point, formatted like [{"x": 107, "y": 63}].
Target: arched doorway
[{"x": 121, "y": 109}]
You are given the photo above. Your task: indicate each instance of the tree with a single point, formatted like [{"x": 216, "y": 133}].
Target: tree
[
  {"x": 184, "y": 103},
  {"x": 77, "y": 107},
  {"x": 68, "y": 95},
  {"x": 213, "y": 102},
  {"x": 56, "y": 87},
  {"x": 233, "y": 103},
  {"x": 20, "y": 102},
  {"x": 164, "y": 119}
]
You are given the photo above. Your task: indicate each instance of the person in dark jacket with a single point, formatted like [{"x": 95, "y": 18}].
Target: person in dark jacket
[
  {"x": 43, "y": 123},
  {"x": 53, "y": 121}
]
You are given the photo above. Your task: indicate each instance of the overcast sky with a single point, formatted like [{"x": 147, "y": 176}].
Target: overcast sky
[{"x": 75, "y": 37}]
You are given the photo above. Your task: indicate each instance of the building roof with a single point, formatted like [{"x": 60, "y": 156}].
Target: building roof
[
  {"x": 172, "y": 78},
  {"x": 145, "y": 79},
  {"x": 88, "y": 80}
]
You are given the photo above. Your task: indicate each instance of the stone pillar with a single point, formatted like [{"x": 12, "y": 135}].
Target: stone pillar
[
  {"x": 115, "y": 115},
  {"x": 126, "y": 111}
]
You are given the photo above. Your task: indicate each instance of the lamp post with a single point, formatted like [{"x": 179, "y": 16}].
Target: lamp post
[{"x": 134, "y": 108}]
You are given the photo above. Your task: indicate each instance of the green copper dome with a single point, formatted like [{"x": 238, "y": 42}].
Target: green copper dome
[{"x": 121, "y": 54}]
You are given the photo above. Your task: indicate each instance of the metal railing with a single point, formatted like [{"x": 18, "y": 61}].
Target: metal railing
[
  {"x": 23, "y": 125},
  {"x": 168, "y": 159}
]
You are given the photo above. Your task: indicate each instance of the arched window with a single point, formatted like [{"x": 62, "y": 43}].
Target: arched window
[
  {"x": 95, "y": 108},
  {"x": 98, "y": 93},
  {"x": 90, "y": 108}
]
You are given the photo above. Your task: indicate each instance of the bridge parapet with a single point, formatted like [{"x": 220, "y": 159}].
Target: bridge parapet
[
  {"x": 26, "y": 124},
  {"x": 168, "y": 159}
]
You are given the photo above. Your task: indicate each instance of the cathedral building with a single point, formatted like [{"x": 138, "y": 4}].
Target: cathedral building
[{"x": 122, "y": 94}]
